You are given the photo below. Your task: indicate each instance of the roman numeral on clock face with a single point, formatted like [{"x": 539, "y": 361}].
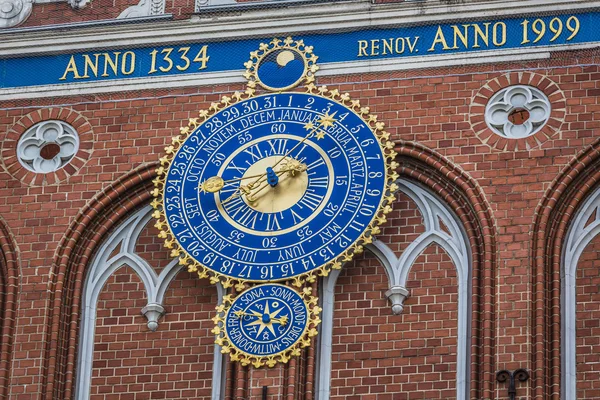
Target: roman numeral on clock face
[
  {"x": 311, "y": 200},
  {"x": 255, "y": 153},
  {"x": 273, "y": 222},
  {"x": 234, "y": 167},
  {"x": 317, "y": 163},
  {"x": 320, "y": 182},
  {"x": 277, "y": 146}
]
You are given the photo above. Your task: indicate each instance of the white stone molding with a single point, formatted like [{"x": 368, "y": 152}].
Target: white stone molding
[
  {"x": 219, "y": 375},
  {"x": 514, "y": 98},
  {"x": 117, "y": 251},
  {"x": 454, "y": 241},
  {"x": 203, "y": 4},
  {"x": 325, "y": 338},
  {"x": 14, "y": 12},
  {"x": 47, "y": 146},
  {"x": 581, "y": 232},
  {"x": 144, "y": 8}
]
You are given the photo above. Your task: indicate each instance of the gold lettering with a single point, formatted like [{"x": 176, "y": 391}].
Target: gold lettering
[
  {"x": 362, "y": 48},
  {"x": 109, "y": 61},
  {"x": 126, "y": 55},
  {"x": 183, "y": 56},
  {"x": 479, "y": 34},
  {"x": 387, "y": 46},
  {"x": 91, "y": 65},
  {"x": 201, "y": 57},
  {"x": 374, "y": 46},
  {"x": 399, "y": 45},
  {"x": 72, "y": 67},
  {"x": 503, "y": 34},
  {"x": 413, "y": 45},
  {"x": 167, "y": 53},
  {"x": 439, "y": 39},
  {"x": 462, "y": 36}
]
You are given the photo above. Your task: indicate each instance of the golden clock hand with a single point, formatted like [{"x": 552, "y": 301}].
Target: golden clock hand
[
  {"x": 282, "y": 320},
  {"x": 251, "y": 196},
  {"x": 247, "y": 189},
  {"x": 240, "y": 313},
  {"x": 216, "y": 183},
  {"x": 326, "y": 121}
]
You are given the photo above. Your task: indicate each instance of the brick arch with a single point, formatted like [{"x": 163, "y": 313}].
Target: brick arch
[
  {"x": 551, "y": 222},
  {"x": 465, "y": 198},
  {"x": 9, "y": 284},
  {"x": 74, "y": 252}
]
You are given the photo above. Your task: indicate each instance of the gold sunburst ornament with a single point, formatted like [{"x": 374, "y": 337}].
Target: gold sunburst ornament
[{"x": 277, "y": 187}]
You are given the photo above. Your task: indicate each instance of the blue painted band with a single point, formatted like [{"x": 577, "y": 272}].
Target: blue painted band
[{"x": 389, "y": 43}]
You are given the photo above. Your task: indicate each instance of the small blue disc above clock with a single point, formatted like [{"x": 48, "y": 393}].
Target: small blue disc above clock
[
  {"x": 275, "y": 186},
  {"x": 266, "y": 320},
  {"x": 281, "y": 68}
]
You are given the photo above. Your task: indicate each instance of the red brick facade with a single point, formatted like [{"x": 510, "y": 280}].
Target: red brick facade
[{"x": 515, "y": 201}]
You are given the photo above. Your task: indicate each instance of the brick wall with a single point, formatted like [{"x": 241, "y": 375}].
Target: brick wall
[
  {"x": 377, "y": 355},
  {"x": 55, "y": 228},
  {"x": 175, "y": 362}
]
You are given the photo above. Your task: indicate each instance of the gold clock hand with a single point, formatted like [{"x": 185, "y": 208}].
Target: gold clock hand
[
  {"x": 216, "y": 183},
  {"x": 282, "y": 320},
  {"x": 326, "y": 121},
  {"x": 251, "y": 197},
  {"x": 247, "y": 189}
]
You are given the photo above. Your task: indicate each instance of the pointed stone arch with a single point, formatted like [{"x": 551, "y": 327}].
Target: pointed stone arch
[
  {"x": 583, "y": 229},
  {"x": 465, "y": 199},
  {"x": 118, "y": 250},
  {"x": 442, "y": 228},
  {"x": 9, "y": 285},
  {"x": 84, "y": 260},
  {"x": 554, "y": 216},
  {"x": 73, "y": 254}
]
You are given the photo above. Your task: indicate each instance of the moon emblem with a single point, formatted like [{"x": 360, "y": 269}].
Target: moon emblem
[{"x": 284, "y": 57}]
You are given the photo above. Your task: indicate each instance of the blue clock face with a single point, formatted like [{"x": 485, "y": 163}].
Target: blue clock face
[
  {"x": 266, "y": 320},
  {"x": 274, "y": 186}
]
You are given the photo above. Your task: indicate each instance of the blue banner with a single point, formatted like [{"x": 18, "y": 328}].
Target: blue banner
[{"x": 200, "y": 57}]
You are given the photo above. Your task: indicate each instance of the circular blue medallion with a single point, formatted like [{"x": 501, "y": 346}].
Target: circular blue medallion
[
  {"x": 275, "y": 187},
  {"x": 281, "y": 68},
  {"x": 266, "y": 320}
]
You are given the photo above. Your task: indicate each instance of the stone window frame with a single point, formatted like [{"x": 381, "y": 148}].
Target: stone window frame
[
  {"x": 118, "y": 250},
  {"x": 579, "y": 236},
  {"x": 456, "y": 244}
]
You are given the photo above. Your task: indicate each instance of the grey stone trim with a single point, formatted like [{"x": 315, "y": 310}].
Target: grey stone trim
[
  {"x": 454, "y": 242},
  {"x": 219, "y": 374},
  {"x": 327, "y": 296},
  {"x": 124, "y": 239},
  {"x": 578, "y": 238}
]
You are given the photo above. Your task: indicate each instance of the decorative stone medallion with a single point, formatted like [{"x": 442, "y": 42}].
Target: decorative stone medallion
[
  {"x": 517, "y": 111},
  {"x": 47, "y": 146}
]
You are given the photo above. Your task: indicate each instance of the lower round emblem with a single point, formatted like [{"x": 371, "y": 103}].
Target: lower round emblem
[{"x": 266, "y": 324}]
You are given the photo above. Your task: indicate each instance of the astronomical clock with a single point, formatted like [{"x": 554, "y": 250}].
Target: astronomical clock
[{"x": 269, "y": 189}]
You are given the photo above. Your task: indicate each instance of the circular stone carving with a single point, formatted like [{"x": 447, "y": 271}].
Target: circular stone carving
[
  {"x": 14, "y": 12},
  {"x": 517, "y": 111},
  {"x": 47, "y": 146}
]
